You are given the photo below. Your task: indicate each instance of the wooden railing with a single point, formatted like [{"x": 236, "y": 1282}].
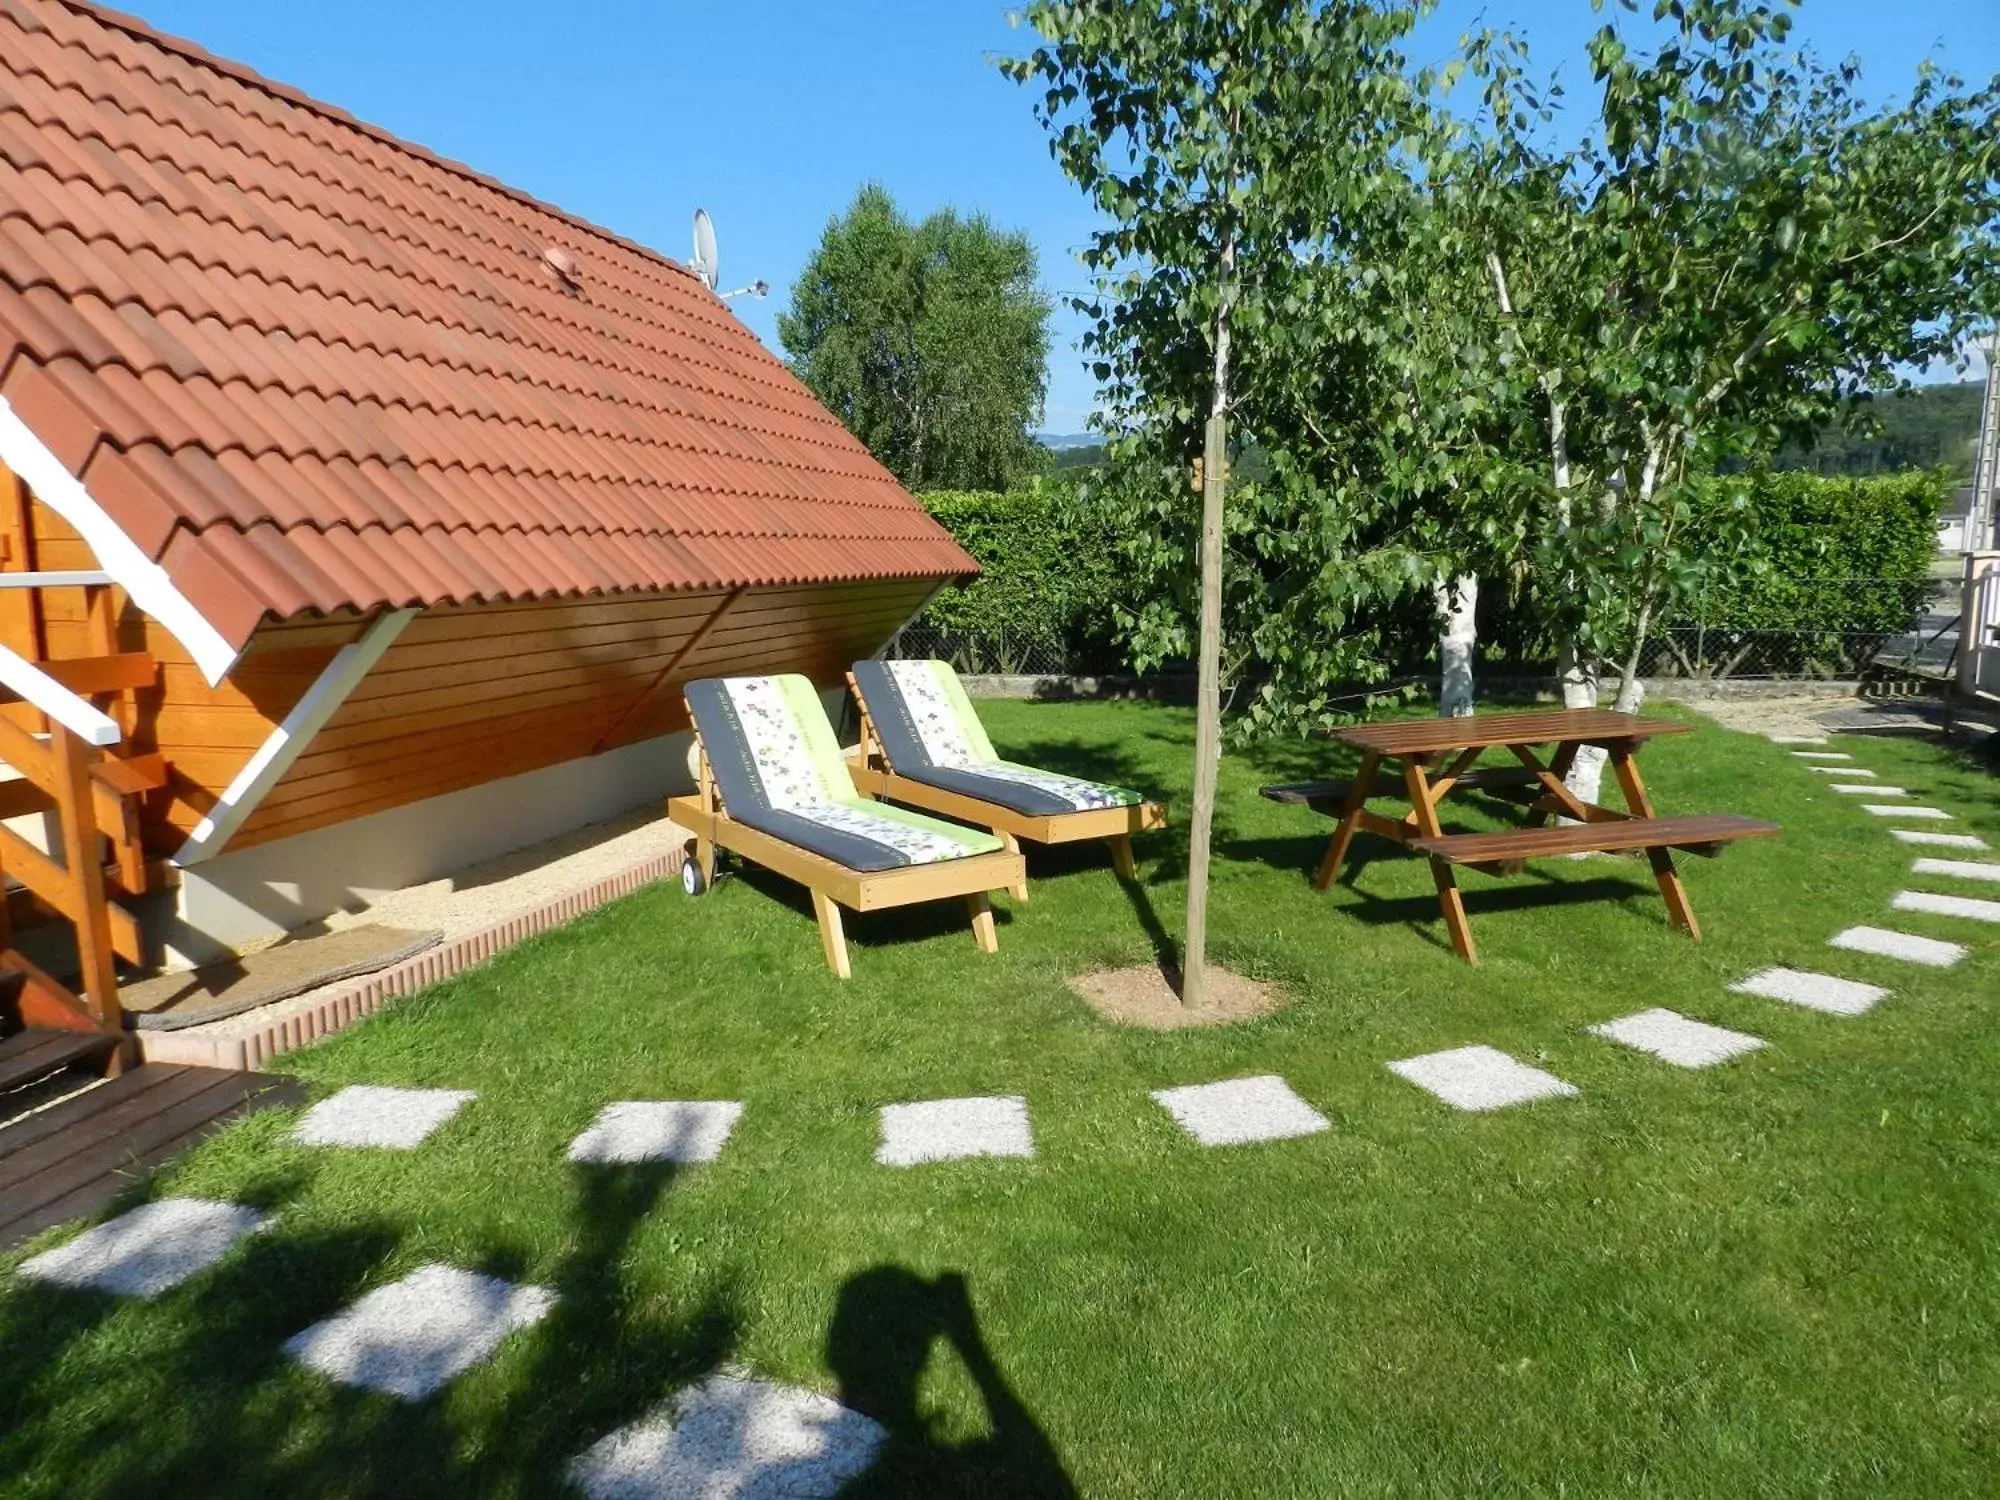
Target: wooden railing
[{"x": 65, "y": 772}]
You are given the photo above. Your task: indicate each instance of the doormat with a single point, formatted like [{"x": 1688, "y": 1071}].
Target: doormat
[{"x": 215, "y": 991}]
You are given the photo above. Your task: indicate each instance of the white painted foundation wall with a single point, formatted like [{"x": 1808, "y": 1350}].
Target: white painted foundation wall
[{"x": 245, "y": 897}]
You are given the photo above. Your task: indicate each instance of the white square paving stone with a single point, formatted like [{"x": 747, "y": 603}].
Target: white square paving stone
[
  {"x": 1798, "y": 739},
  {"x": 1898, "y": 810},
  {"x": 1240, "y": 1110},
  {"x": 410, "y": 1337},
  {"x": 1479, "y": 1077},
  {"x": 1929, "y": 902},
  {"x": 145, "y": 1252},
  {"x": 1939, "y": 840},
  {"x": 1885, "y": 943},
  {"x": 639, "y": 1130},
  {"x": 732, "y": 1438},
  {"x": 367, "y": 1114},
  {"x": 945, "y": 1129},
  {"x": 1957, "y": 869},
  {"x": 1821, "y": 755},
  {"x": 1822, "y": 992},
  {"x": 1840, "y": 770},
  {"x": 1866, "y": 789},
  {"x": 1678, "y": 1039}
]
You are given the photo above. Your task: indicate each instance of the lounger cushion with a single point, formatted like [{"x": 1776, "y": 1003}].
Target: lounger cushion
[
  {"x": 778, "y": 769},
  {"x": 930, "y": 734}
]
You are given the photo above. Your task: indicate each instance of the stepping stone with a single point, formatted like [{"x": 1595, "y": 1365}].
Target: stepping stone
[
  {"x": 1958, "y": 869},
  {"x": 732, "y": 1438},
  {"x": 1241, "y": 1110},
  {"x": 366, "y": 1114},
  {"x": 410, "y": 1337},
  {"x": 1821, "y": 992},
  {"x": 1821, "y": 755},
  {"x": 1885, "y": 943},
  {"x": 636, "y": 1130},
  {"x": 1674, "y": 1038},
  {"x": 1479, "y": 1077},
  {"x": 1970, "y": 907},
  {"x": 1797, "y": 739},
  {"x": 1866, "y": 789},
  {"x": 1893, "y": 810},
  {"x": 1840, "y": 770},
  {"x": 143, "y": 1253},
  {"x": 1939, "y": 840},
  {"x": 945, "y": 1129}
]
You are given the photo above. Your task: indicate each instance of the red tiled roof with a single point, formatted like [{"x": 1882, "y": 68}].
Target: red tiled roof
[{"x": 305, "y": 365}]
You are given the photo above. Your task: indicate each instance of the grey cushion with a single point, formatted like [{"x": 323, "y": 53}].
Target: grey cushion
[
  {"x": 836, "y": 844},
  {"x": 742, "y": 790},
  {"x": 1031, "y": 800},
  {"x": 893, "y": 727}
]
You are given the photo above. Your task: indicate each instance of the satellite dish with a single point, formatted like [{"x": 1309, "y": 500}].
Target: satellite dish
[{"x": 705, "y": 264}]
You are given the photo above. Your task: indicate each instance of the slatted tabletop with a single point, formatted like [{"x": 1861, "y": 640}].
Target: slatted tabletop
[{"x": 1586, "y": 726}]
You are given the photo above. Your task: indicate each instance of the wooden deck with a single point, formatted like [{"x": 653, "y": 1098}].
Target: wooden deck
[{"x": 74, "y": 1157}]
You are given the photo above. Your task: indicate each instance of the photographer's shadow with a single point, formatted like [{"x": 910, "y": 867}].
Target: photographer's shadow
[{"x": 884, "y": 1328}]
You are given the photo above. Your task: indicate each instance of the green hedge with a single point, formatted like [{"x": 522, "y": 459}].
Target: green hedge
[
  {"x": 1047, "y": 581},
  {"x": 1836, "y": 564}
]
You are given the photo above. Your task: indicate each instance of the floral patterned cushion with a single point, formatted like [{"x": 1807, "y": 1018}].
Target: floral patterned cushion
[
  {"x": 778, "y": 766},
  {"x": 932, "y": 716}
]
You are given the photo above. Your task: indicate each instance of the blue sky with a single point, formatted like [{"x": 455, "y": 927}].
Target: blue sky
[{"x": 770, "y": 113}]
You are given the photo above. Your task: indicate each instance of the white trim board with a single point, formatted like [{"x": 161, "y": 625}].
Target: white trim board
[
  {"x": 75, "y": 714},
  {"x": 275, "y": 756},
  {"x": 117, "y": 554}
]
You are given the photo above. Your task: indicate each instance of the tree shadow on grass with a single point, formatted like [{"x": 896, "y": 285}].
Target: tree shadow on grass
[
  {"x": 885, "y": 1327},
  {"x": 217, "y": 1407},
  {"x": 602, "y": 1358}
]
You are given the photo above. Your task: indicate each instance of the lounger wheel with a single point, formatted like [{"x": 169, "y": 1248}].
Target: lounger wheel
[{"x": 692, "y": 879}]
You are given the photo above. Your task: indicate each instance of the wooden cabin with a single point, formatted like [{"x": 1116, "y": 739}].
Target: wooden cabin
[{"x": 381, "y": 508}]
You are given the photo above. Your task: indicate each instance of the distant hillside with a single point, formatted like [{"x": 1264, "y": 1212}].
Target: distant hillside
[
  {"x": 1078, "y": 457},
  {"x": 1920, "y": 429}
]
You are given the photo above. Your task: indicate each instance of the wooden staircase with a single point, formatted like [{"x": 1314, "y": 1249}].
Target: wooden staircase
[{"x": 58, "y": 734}]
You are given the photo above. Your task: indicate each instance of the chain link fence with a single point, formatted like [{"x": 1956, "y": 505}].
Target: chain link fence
[
  {"x": 1807, "y": 628},
  {"x": 999, "y": 653}
]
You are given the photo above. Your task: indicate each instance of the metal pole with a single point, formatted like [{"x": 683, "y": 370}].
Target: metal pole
[{"x": 1979, "y": 524}]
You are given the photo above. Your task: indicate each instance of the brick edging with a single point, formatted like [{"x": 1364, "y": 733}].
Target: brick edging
[{"x": 374, "y": 991}]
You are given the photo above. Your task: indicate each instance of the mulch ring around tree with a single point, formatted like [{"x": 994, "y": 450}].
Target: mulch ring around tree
[{"x": 1148, "y": 996}]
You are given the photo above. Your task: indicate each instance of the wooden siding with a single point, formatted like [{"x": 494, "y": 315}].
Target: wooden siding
[{"x": 468, "y": 694}]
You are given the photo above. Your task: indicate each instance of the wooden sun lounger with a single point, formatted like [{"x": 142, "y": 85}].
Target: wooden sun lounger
[
  {"x": 1115, "y": 825},
  {"x": 834, "y": 885}
]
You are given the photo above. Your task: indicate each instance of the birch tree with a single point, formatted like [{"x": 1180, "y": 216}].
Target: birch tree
[{"x": 1739, "y": 245}]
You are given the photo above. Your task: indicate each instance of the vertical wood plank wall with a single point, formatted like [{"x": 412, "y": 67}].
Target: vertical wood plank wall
[
  {"x": 472, "y": 693},
  {"x": 467, "y": 694}
]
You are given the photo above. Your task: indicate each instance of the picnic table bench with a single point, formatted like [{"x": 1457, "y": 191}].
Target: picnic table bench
[{"x": 1436, "y": 758}]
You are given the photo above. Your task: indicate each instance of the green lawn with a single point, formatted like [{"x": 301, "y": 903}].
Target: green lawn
[{"x": 1774, "y": 1277}]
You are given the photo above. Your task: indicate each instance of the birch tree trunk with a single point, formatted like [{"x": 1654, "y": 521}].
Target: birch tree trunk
[
  {"x": 1208, "y": 680},
  {"x": 1458, "y": 635},
  {"x": 1586, "y": 776}
]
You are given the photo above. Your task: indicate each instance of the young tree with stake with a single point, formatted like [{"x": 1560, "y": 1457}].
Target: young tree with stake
[{"x": 1223, "y": 140}]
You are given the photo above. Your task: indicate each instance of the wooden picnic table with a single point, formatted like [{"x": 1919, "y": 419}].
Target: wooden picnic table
[{"x": 1435, "y": 758}]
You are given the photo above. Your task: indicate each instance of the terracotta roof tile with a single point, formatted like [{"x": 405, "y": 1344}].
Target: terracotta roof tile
[{"x": 310, "y": 367}]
